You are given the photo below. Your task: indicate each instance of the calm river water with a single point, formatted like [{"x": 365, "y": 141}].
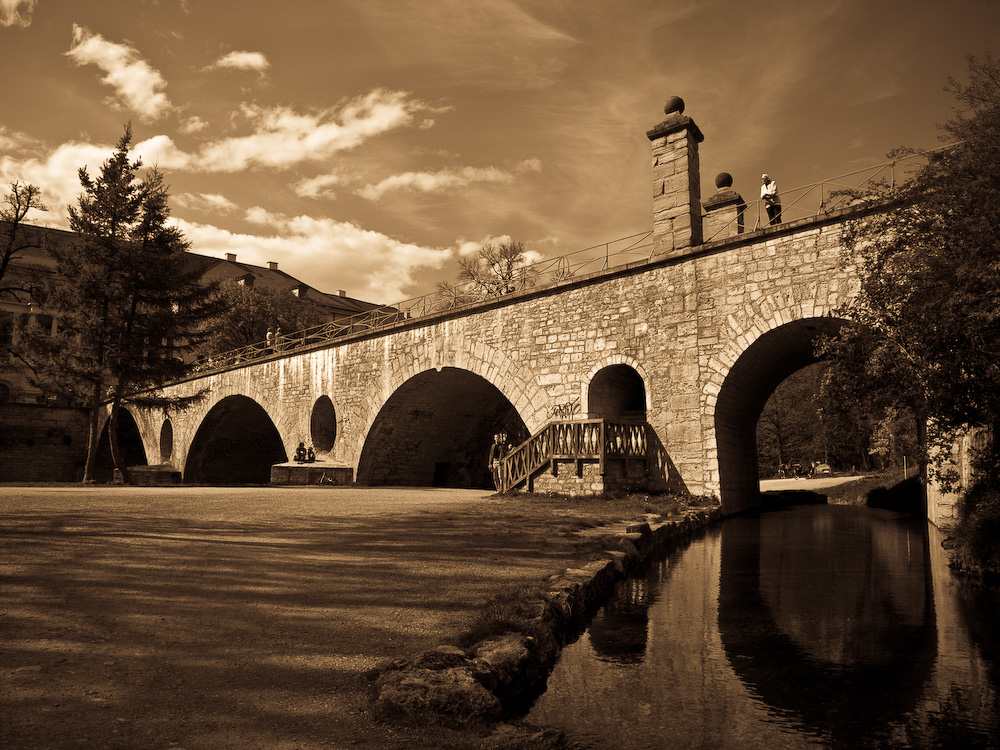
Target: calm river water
[{"x": 818, "y": 626}]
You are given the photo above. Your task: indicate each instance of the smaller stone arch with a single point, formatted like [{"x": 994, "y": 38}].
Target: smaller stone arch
[
  {"x": 323, "y": 424},
  {"x": 166, "y": 441},
  {"x": 617, "y": 388}
]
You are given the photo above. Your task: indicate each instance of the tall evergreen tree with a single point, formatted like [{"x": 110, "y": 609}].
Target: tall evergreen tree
[{"x": 121, "y": 294}]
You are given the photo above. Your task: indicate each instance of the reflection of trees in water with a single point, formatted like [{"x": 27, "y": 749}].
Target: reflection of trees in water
[
  {"x": 770, "y": 616},
  {"x": 619, "y": 633}
]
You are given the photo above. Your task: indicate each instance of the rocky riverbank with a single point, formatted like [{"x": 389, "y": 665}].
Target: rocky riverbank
[{"x": 491, "y": 678}]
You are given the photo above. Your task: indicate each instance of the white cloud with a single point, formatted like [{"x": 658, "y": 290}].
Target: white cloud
[
  {"x": 283, "y": 137},
  {"x": 443, "y": 180},
  {"x": 325, "y": 253},
  {"x": 254, "y": 61},
  {"x": 205, "y": 202},
  {"x": 16, "y": 12},
  {"x": 57, "y": 174},
  {"x": 193, "y": 124},
  {"x": 320, "y": 186},
  {"x": 137, "y": 85},
  {"x": 161, "y": 151}
]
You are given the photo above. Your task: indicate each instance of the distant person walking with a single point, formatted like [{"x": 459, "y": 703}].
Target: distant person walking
[{"x": 769, "y": 194}]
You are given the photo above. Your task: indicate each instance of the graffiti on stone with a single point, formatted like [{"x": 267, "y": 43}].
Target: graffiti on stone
[{"x": 566, "y": 410}]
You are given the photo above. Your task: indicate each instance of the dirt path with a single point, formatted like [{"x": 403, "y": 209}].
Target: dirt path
[{"x": 244, "y": 618}]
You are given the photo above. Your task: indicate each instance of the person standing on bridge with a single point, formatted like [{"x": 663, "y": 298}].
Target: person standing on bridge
[{"x": 769, "y": 194}]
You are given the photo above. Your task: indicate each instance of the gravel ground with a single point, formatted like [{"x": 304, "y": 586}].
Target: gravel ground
[{"x": 193, "y": 617}]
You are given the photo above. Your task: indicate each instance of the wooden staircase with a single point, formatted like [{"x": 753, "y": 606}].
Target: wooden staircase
[{"x": 580, "y": 440}]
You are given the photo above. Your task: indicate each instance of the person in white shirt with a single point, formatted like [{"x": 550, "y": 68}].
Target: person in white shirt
[{"x": 769, "y": 194}]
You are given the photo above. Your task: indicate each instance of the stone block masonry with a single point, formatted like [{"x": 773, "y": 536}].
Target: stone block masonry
[
  {"x": 42, "y": 443},
  {"x": 681, "y": 323}
]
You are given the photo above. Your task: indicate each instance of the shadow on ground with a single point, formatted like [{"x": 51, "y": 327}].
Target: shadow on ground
[{"x": 138, "y": 630}]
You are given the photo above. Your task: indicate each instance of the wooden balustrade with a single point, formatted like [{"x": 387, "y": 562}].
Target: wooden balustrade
[{"x": 580, "y": 439}]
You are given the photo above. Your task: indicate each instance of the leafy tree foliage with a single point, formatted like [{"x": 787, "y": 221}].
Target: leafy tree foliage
[
  {"x": 928, "y": 260},
  {"x": 21, "y": 199},
  {"x": 498, "y": 268},
  {"x": 248, "y": 313},
  {"x": 121, "y": 296},
  {"x": 803, "y": 423}
]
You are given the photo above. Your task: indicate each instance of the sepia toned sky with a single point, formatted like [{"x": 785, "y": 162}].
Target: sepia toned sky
[{"x": 364, "y": 144}]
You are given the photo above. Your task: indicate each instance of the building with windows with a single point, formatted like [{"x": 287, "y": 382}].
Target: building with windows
[{"x": 44, "y": 440}]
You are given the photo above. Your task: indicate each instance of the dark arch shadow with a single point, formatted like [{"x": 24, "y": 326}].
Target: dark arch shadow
[
  {"x": 129, "y": 442},
  {"x": 617, "y": 392},
  {"x": 791, "y": 643},
  {"x": 436, "y": 430},
  {"x": 166, "y": 440},
  {"x": 237, "y": 443},
  {"x": 323, "y": 424},
  {"x": 746, "y": 389}
]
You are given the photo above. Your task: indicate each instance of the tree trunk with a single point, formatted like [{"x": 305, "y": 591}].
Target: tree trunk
[
  {"x": 93, "y": 438},
  {"x": 116, "y": 454}
]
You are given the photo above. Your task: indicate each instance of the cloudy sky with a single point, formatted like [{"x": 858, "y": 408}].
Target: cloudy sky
[{"x": 364, "y": 144}]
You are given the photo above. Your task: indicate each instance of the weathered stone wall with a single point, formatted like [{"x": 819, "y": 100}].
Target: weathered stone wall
[
  {"x": 42, "y": 443},
  {"x": 680, "y": 323},
  {"x": 569, "y": 477}
]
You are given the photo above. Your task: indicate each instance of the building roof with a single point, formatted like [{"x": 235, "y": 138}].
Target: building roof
[{"x": 212, "y": 269}]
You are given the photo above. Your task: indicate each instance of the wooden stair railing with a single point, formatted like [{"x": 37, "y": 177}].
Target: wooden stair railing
[{"x": 580, "y": 439}]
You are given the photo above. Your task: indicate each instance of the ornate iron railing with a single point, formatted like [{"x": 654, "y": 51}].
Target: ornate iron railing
[{"x": 582, "y": 439}]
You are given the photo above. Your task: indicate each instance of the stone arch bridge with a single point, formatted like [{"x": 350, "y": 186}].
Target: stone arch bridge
[{"x": 692, "y": 341}]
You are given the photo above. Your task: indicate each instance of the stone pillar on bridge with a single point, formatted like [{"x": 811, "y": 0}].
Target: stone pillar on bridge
[
  {"x": 676, "y": 181},
  {"x": 724, "y": 211}
]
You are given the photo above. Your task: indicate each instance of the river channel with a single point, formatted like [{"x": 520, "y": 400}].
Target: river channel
[{"x": 815, "y": 626}]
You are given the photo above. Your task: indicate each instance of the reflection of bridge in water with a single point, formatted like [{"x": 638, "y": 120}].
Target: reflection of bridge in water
[
  {"x": 689, "y": 339},
  {"x": 838, "y": 626}
]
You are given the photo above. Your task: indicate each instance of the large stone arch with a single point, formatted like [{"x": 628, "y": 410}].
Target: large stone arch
[
  {"x": 254, "y": 383},
  {"x": 436, "y": 429},
  {"x": 739, "y": 400},
  {"x": 528, "y": 399},
  {"x": 236, "y": 443}
]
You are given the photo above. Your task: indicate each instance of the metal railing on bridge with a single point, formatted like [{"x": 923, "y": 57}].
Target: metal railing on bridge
[
  {"x": 816, "y": 199},
  {"x": 636, "y": 247},
  {"x": 584, "y": 439},
  {"x": 826, "y": 196}
]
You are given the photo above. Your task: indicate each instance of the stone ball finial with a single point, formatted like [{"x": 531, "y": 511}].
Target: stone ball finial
[
  {"x": 674, "y": 104},
  {"x": 723, "y": 180}
]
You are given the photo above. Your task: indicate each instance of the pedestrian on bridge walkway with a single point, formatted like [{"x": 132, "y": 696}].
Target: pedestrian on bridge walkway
[{"x": 769, "y": 194}]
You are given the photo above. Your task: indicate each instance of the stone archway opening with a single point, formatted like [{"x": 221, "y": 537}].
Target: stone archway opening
[
  {"x": 617, "y": 392},
  {"x": 323, "y": 425},
  {"x": 237, "y": 443},
  {"x": 750, "y": 382},
  {"x": 166, "y": 441},
  {"x": 129, "y": 443},
  {"x": 436, "y": 430}
]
